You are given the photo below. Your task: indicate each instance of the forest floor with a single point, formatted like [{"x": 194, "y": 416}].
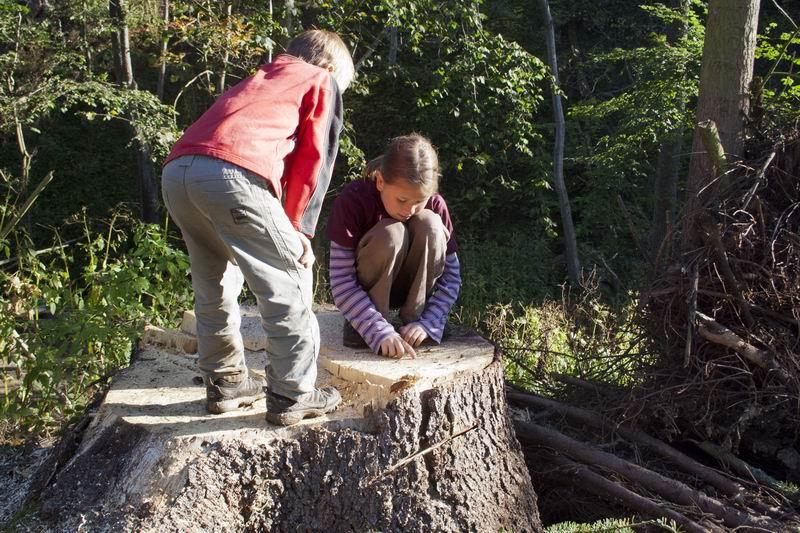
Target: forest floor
[{"x": 19, "y": 464}]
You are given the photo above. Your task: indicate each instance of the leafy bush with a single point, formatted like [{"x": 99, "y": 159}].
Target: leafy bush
[
  {"x": 579, "y": 335},
  {"x": 68, "y": 323}
]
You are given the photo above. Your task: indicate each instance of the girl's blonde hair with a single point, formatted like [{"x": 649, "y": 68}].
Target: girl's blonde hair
[
  {"x": 410, "y": 157},
  {"x": 321, "y": 48}
]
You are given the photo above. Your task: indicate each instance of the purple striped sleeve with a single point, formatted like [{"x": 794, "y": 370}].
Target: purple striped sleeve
[
  {"x": 438, "y": 306},
  {"x": 353, "y": 301}
]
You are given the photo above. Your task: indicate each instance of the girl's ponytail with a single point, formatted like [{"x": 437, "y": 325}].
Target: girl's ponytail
[{"x": 372, "y": 167}]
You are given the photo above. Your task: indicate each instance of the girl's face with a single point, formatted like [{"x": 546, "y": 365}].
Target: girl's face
[{"x": 401, "y": 199}]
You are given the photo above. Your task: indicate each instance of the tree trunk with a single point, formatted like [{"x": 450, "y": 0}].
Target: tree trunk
[
  {"x": 570, "y": 245},
  {"x": 148, "y": 184},
  {"x": 417, "y": 445},
  {"x": 162, "y": 68},
  {"x": 226, "y": 55},
  {"x": 665, "y": 187},
  {"x": 394, "y": 45},
  {"x": 725, "y": 77},
  {"x": 288, "y": 23}
]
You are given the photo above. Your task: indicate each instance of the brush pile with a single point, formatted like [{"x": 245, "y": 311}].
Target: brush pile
[{"x": 706, "y": 432}]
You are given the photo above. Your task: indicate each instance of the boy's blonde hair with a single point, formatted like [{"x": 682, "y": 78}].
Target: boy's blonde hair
[
  {"x": 323, "y": 48},
  {"x": 410, "y": 157}
]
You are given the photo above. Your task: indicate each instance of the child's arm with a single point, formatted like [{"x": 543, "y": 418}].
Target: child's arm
[
  {"x": 353, "y": 301},
  {"x": 308, "y": 169},
  {"x": 434, "y": 317}
]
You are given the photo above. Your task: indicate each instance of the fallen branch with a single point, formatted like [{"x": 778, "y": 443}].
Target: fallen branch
[
  {"x": 598, "y": 421},
  {"x": 741, "y": 467},
  {"x": 670, "y": 489},
  {"x": 710, "y": 234},
  {"x": 715, "y": 332},
  {"x": 599, "y": 485}
]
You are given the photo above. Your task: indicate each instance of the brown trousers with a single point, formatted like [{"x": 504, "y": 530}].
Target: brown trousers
[{"x": 398, "y": 263}]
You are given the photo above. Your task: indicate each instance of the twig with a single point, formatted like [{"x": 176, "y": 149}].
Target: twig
[
  {"x": 370, "y": 50},
  {"x": 710, "y": 235},
  {"x": 25, "y": 206},
  {"x": 40, "y": 252},
  {"x": 692, "y": 300},
  {"x": 413, "y": 456},
  {"x": 749, "y": 196}
]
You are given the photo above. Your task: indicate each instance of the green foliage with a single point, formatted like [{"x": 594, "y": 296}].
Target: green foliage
[
  {"x": 504, "y": 268},
  {"x": 68, "y": 323},
  {"x": 616, "y": 525},
  {"x": 639, "y": 101},
  {"x": 473, "y": 92},
  {"x": 579, "y": 335},
  {"x": 777, "y": 93}
]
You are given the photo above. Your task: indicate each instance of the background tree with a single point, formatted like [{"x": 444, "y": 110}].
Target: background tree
[{"x": 724, "y": 97}]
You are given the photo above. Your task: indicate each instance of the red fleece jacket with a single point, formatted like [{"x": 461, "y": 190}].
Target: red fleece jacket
[{"x": 282, "y": 123}]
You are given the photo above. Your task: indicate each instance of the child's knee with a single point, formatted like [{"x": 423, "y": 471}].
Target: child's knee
[
  {"x": 388, "y": 237},
  {"x": 427, "y": 223}
]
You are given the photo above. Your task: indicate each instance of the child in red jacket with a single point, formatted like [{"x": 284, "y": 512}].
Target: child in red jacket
[{"x": 245, "y": 184}]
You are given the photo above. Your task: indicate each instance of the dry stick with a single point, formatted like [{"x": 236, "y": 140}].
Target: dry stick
[
  {"x": 749, "y": 196},
  {"x": 753, "y": 307},
  {"x": 744, "y": 469},
  {"x": 598, "y": 421},
  {"x": 710, "y": 234},
  {"x": 692, "y": 300},
  {"x": 5, "y": 230},
  {"x": 403, "y": 462},
  {"x": 603, "y": 487},
  {"x": 715, "y": 332},
  {"x": 670, "y": 489},
  {"x": 597, "y": 388}
]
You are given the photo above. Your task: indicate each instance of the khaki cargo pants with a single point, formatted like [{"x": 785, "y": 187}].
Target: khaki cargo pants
[
  {"x": 236, "y": 231},
  {"x": 398, "y": 263}
]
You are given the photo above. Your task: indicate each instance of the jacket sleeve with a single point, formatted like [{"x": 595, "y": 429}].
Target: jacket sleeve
[
  {"x": 308, "y": 170},
  {"x": 438, "y": 306},
  {"x": 353, "y": 301}
]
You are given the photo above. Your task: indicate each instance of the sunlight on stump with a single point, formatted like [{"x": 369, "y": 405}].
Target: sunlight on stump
[{"x": 422, "y": 444}]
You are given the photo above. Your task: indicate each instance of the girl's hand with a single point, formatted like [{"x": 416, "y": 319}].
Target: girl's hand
[
  {"x": 395, "y": 346},
  {"x": 307, "y": 259},
  {"x": 413, "y": 333}
]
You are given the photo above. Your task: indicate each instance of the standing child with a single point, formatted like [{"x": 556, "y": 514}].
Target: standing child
[
  {"x": 392, "y": 246},
  {"x": 272, "y": 138}
]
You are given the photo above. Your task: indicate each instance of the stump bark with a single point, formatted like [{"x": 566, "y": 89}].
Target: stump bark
[{"x": 422, "y": 444}]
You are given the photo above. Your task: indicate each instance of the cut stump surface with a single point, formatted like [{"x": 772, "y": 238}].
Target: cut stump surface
[{"x": 422, "y": 444}]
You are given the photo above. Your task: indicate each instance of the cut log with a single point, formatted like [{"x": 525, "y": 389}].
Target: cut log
[
  {"x": 605, "y": 488},
  {"x": 670, "y": 489},
  {"x": 423, "y": 444},
  {"x": 597, "y": 421}
]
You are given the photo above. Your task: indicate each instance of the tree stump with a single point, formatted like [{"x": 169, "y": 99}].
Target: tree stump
[{"x": 422, "y": 444}]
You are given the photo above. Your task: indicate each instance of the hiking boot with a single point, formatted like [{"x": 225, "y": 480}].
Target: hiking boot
[
  {"x": 283, "y": 411},
  {"x": 223, "y": 395},
  {"x": 351, "y": 338}
]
